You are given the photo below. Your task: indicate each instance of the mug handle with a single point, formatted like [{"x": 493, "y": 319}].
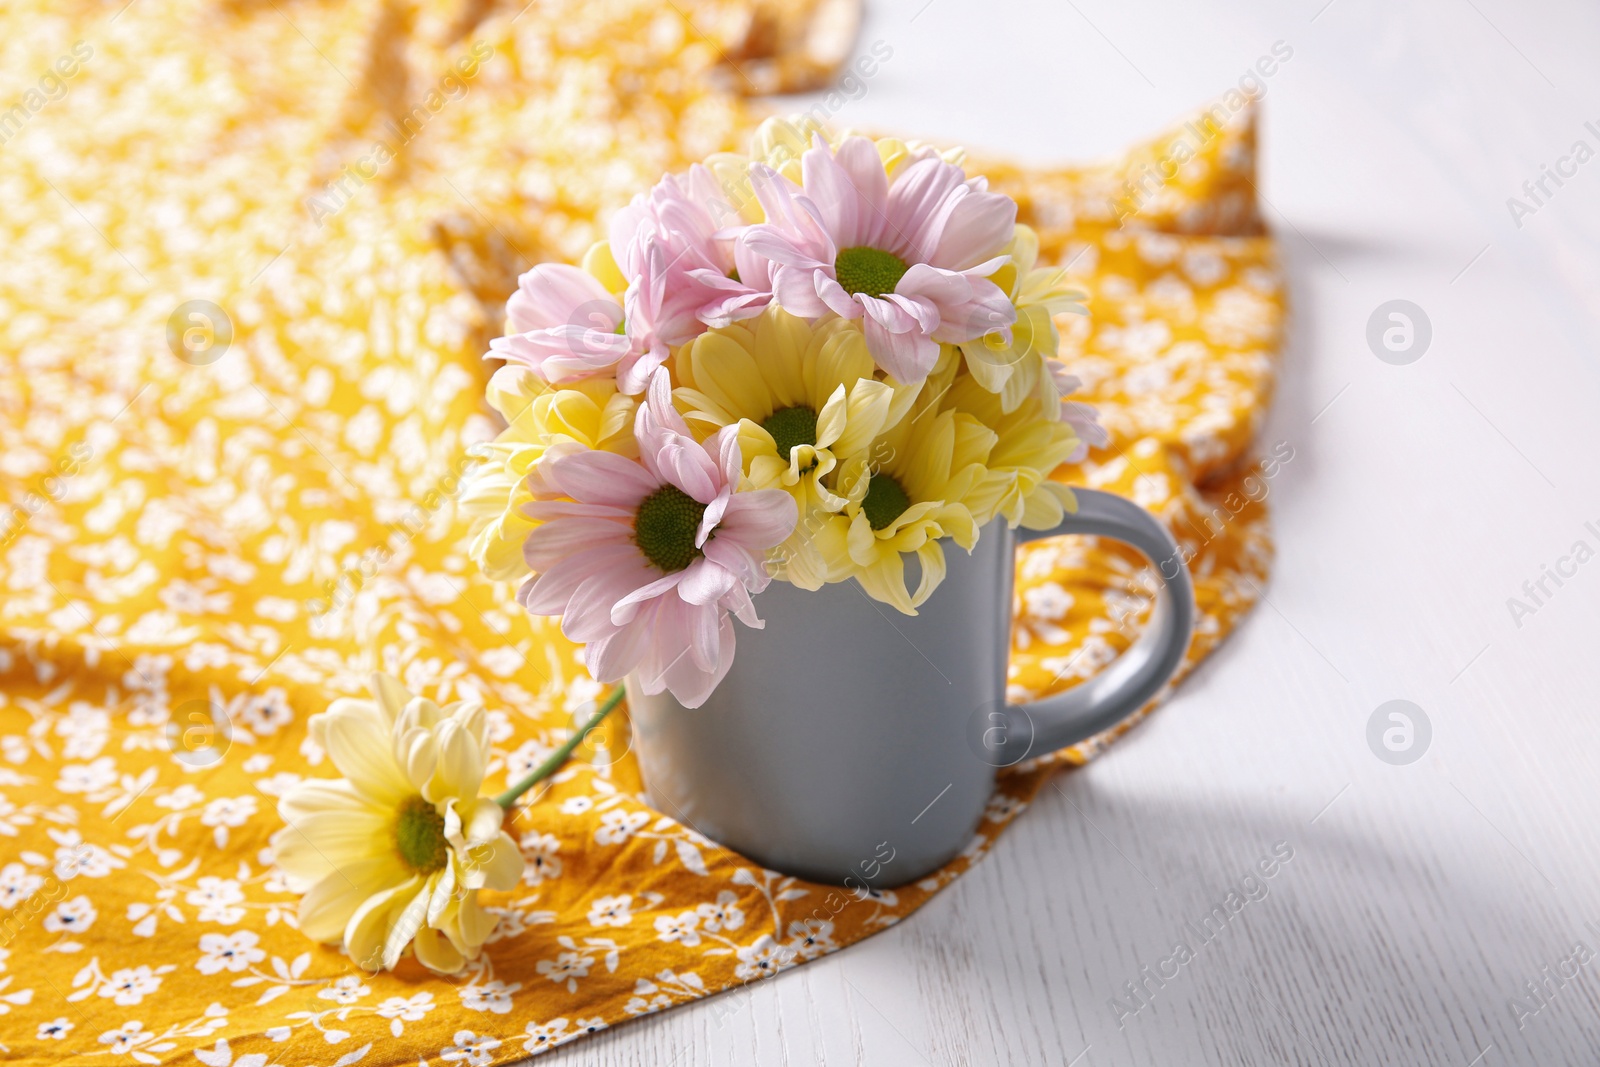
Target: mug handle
[{"x": 1139, "y": 673}]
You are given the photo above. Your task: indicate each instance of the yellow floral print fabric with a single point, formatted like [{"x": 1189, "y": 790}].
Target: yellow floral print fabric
[{"x": 233, "y": 520}]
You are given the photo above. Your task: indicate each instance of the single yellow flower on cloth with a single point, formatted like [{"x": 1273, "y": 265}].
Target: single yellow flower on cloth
[
  {"x": 589, "y": 414},
  {"x": 393, "y": 855}
]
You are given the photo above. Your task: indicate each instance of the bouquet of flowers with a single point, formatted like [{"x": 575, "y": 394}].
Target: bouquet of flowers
[{"x": 801, "y": 365}]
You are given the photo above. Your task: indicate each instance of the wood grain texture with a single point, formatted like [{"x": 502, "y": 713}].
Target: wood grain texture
[{"x": 1419, "y": 899}]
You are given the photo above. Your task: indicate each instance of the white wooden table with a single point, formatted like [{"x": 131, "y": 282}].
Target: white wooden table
[{"x": 1420, "y": 898}]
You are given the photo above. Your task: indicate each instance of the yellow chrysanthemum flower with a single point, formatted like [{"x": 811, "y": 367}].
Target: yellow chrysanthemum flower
[
  {"x": 1028, "y": 445},
  {"x": 1017, "y": 369},
  {"x": 911, "y": 488},
  {"x": 539, "y": 418},
  {"x": 394, "y": 854},
  {"x": 803, "y": 396}
]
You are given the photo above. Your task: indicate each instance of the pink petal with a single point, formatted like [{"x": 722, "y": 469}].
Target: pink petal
[
  {"x": 690, "y": 685},
  {"x": 589, "y": 612},
  {"x": 550, "y": 592},
  {"x": 712, "y": 515},
  {"x": 792, "y": 213},
  {"x": 563, "y": 353},
  {"x": 759, "y": 519},
  {"x": 888, "y": 314},
  {"x": 795, "y": 290},
  {"x": 706, "y": 582},
  {"x": 635, "y": 370},
  {"x": 705, "y": 631},
  {"x": 725, "y": 446},
  {"x": 738, "y": 560},
  {"x": 553, "y": 542},
  {"x": 685, "y": 464},
  {"x": 850, "y": 190},
  {"x": 979, "y": 226},
  {"x": 743, "y": 608},
  {"x": 924, "y": 312},
  {"x": 546, "y": 510},
  {"x": 905, "y": 357},
  {"x": 624, "y": 610},
  {"x": 832, "y": 294},
  {"x": 780, "y": 247},
  {"x": 602, "y": 478},
  {"x": 987, "y": 310},
  {"x": 610, "y": 658},
  {"x": 556, "y": 294},
  {"x": 918, "y": 202}
]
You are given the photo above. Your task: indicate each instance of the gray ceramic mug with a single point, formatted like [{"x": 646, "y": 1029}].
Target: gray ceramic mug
[{"x": 855, "y": 745}]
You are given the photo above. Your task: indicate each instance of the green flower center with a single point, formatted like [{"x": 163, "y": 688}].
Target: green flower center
[
  {"x": 885, "y": 501},
  {"x": 790, "y": 427},
  {"x": 665, "y": 526},
  {"x": 419, "y": 837},
  {"x": 868, "y": 270}
]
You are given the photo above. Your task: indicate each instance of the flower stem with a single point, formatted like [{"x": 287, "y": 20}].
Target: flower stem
[{"x": 559, "y": 756}]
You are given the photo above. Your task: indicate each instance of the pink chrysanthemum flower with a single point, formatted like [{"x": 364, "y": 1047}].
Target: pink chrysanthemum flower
[
  {"x": 645, "y": 560},
  {"x": 685, "y": 269},
  {"x": 913, "y": 256},
  {"x": 563, "y": 325}
]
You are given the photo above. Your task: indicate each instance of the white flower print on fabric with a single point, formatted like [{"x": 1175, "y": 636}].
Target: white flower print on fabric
[
  {"x": 231, "y": 952},
  {"x": 494, "y": 996},
  {"x": 217, "y": 899},
  {"x": 402, "y": 1010},
  {"x": 722, "y": 915},
  {"x": 679, "y": 928},
  {"x": 540, "y": 861},
  {"x": 470, "y": 1048},
  {"x": 617, "y": 826},
  {"x": 346, "y": 990},
  {"x": 225, "y": 812},
  {"x": 612, "y": 911},
  {"x": 54, "y": 1030},
  {"x": 130, "y": 985}
]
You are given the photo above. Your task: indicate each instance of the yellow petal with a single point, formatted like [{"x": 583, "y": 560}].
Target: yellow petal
[
  {"x": 368, "y": 928},
  {"x": 403, "y": 926},
  {"x": 885, "y": 581},
  {"x": 316, "y": 795},
  {"x": 931, "y": 558},
  {"x": 473, "y": 922},
  {"x": 831, "y": 420},
  {"x": 443, "y": 894},
  {"x": 781, "y": 342},
  {"x": 359, "y": 745},
  {"x": 460, "y": 769},
  {"x": 867, "y": 412},
  {"x": 727, "y": 374},
  {"x": 326, "y": 909},
  {"x": 499, "y": 863},
  {"x": 842, "y": 359},
  {"x": 391, "y": 696},
  {"x": 602, "y": 266},
  {"x": 435, "y": 952},
  {"x": 316, "y": 845},
  {"x": 481, "y": 822}
]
